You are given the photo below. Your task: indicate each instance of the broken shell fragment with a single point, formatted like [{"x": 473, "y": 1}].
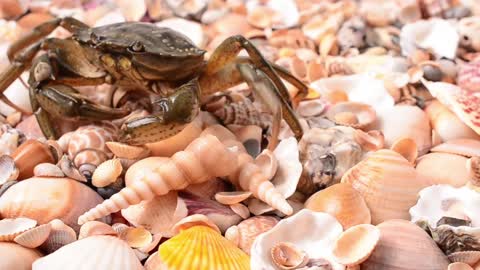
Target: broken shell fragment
[
  {"x": 407, "y": 148},
  {"x": 356, "y": 244},
  {"x": 359, "y": 115},
  {"x": 459, "y": 266},
  {"x": 287, "y": 256},
  {"x": 121, "y": 150},
  {"x": 136, "y": 237},
  {"x": 95, "y": 228},
  {"x": 34, "y": 237},
  {"x": 233, "y": 197},
  {"x": 8, "y": 170},
  {"x": 107, "y": 173},
  {"x": 10, "y": 228},
  {"x": 241, "y": 210}
]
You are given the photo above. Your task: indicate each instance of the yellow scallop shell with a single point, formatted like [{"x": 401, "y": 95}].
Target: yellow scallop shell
[{"x": 202, "y": 248}]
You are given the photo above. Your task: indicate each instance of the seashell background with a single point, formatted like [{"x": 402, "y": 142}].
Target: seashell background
[{"x": 386, "y": 175}]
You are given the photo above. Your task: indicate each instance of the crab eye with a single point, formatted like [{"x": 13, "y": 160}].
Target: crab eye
[{"x": 137, "y": 46}]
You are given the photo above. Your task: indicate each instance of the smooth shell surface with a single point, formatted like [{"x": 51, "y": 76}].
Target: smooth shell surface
[
  {"x": 444, "y": 168},
  {"x": 60, "y": 198},
  {"x": 356, "y": 244},
  {"x": 404, "y": 245},
  {"x": 107, "y": 172},
  {"x": 388, "y": 183},
  {"x": 343, "y": 202},
  {"x": 363, "y": 114},
  {"x": 95, "y": 252},
  {"x": 17, "y": 257}
]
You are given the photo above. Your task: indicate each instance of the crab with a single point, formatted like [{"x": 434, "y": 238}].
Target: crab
[{"x": 139, "y": 56}]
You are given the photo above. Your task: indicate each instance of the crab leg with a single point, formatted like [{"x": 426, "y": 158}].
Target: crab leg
[{"x": 227, "y": 52}]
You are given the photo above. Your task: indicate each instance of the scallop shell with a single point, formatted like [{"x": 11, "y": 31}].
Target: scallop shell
[
  {"x": 10, "y": 228},
  {"x": 301, "y": 230},
  {"x": 91, "y": 253},
  {"x": 8, "y": 170},
  {"x": 107, "y": 172},
  {"x": 287, "y": 256},
  {"x": 243, "y": 234},
  {"x": 61, "y": 198},
  {"x": 17, "y": 257},
  {"x": 355, "y": 245},
  {"x": 47, "y": 170},
  {"x": 157, "y": 215},
  {"x": 234, "y": 197},
  {"x": 459, "y": 266},
  {"x": 363, "y": 114},
  {"x": 95, "y": 228},
  {"x": 403, "y": 245},
  {"x": 463, "y": 147},
  {"x": 60, "y": 235},
  {"x": 28, "y": 155},
  {"x": 222, "y": 254},
  {"x": 34, "y": 237},
  {"x": 121, "y": 150},
  {"x": 343, "y": 202},
  {"x": 444, "y": 168},
  {"x": 388, "y": 183}
]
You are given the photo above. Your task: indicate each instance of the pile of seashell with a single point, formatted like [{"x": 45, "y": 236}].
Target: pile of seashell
[{"x": 386, "y": 175}]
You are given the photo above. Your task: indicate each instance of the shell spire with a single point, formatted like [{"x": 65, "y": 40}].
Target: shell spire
[{"x": 205, "y": 158}]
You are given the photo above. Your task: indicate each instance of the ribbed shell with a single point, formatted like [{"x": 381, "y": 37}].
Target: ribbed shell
[
  {"x": 91, "y": 253},
  {"x": 388, "y": 183},
  {"x": 201, "y": 248}
]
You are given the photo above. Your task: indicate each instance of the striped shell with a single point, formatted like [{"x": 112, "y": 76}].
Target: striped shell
[
  {"x": 95, "y": 252},
  {"x": 9, "y": 228},
  {"x": 60, "y": 235},
  {"x": 34, "y": 237},
  {"x": 206, "y": 250}
]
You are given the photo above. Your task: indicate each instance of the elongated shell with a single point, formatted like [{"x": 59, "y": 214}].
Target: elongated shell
[
  {"x": 206, "y": 250},
  {"x": 343, "y": 202},
  {"x": 388, "y": 183},
  {"x": 405, "y": 246},
  {"x": 95, "y": 252},
  {"x": 45, "y": 199},
  {"x": 17, "y": 257}
]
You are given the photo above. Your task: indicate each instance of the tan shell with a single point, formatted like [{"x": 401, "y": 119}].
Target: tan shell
[
  {"x": 121, "y": 150},
  {"x": 459, "y": 266},
  {"x": 388, "y": 183},
  {"x": 154, "y": 262},
  {"x": 28, "y": 155},
  {"x": 17, "y": 257},
  {"x": 8, "y": 170},
  {"x": 443, "y": 168},
  {"x": 10, "y": 228},
  {"x": 192, "y": 221},
  {"x": 468, "y": 257},
  {"x": 61, "y": 198},
  {"x": 241, "y": 210},
  {"x": 407, "y": 148},
  {"x": 353, "y": 114},
  {"x": 343, "y": 202},
  {"x": 356, "y": 244},
  {"x": 107, "y": 172},
  {"x": 246, "y": 231},
  {"x": 60, "y": 235},
  {"x": 95, "y": 228},
  {"x": 267, "y": 162},
  {"x": 234, "y": 197},
  {"x": 90, "y": 253},
  {"x": 136, "y": 237},
  {"x": 287, "y": 256},
  {"x": 47, "y": 170},
  {"x": 404, "y": 245},
  {"x": 463, "y": 147},
  {"x": 34, "y": 237}
]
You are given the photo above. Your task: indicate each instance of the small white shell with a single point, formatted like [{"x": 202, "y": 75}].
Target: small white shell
[
  {"x": 10, "y": 228},
  {"x": 48, "y": 170},
  {"x": 287, "y": 256},
  {"x": 289, "y": 167},
  {"x": 107, "y": 173},
  {"x": 34, "y": 237}
]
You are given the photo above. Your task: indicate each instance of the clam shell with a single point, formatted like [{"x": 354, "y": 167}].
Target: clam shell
[
  {"x": 221, "y": 255},
  {"x": 234, "y": 197},
  {"x": 91, "y": 253},
  {"x": 468, "y": 257},
  {"x": 17, "y": 257},
  {"x": 8, "y": 170},
  {"x": 47, "y": 170},
  {"x": 28, "y": 155},
  {"x": 463, "y": 147},
  {"x": 247, "y": 231},
  {"x": 443, "y": 168},
  {"x": 34, "y": 237},
  {"x": 407, "y": 148},
  {"x": 157, "y": 215},
  {"x": 356, "y": 244},
  {"x": 60, "y": 235},
  {"x": 363, "y": 114},
  {"x": 287, "y": 256},
  {"x": 121, "y": 150},
  {"x": 95, "y": 228},
  {"x": 241, "y": 210},
  {"x": 61, "y": 198},
  {"x": 404, "y": 245},
  {"x": 459, "y": 266},
  {"x": 343, "y": 202},
  {"x": 388, "y": 183},
  {"x": 136, "y": 237},
  {"x": 107, "y": 173},
  {"x": 10, "y": 228}
]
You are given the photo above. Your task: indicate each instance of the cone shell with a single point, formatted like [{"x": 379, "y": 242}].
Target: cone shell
[
  {"x": 207, "y": 250},
  {"x": 28, "y": 155},
  {"x": 247, "y": 231},
  {"x": 343, "y": 202},
  {"x": 362, "y": 114},
  {"x": 388, "y": 183},
  {"x": 17, "y": 257},
  {"x": 443, "y": 168},
  {"x": 107, "y": 173},
  {"x": 34, "y": 237},
  {"x": 61, "y": 198},
  {"x": 404, "y": 245},
  {"x": 9, "y": 228},
  {"x": 95, "y": 252},
  {"x": 356, "y": 244}
]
